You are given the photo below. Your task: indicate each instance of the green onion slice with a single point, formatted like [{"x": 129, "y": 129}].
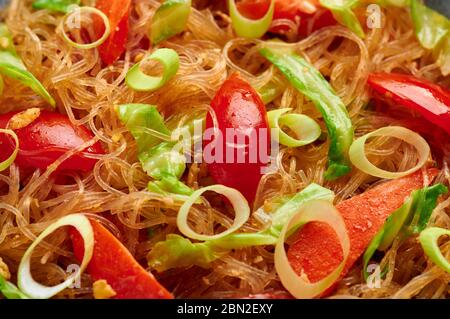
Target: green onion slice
[
  {"x": 36, "y": 290},
  {"x": 358, "y": 156},
  {"x": 248, "y": 28},
  {"x": 316, "y": 210},
  {"x": 7, "y": 163},
  {"x": 139, "y": 81},
  {"x": 169, "y": 20},
  {"x": 305, "y": 128},
  {"x": 79, "y": 11},
  {"x": 429, "y": 241},
  {"x": 238, "y": 201}
]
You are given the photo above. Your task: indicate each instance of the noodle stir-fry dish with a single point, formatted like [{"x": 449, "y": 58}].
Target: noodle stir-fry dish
[{"x": 270, "y": 149}]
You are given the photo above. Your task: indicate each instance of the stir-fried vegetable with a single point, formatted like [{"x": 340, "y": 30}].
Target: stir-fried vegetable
[
  {"x": 63, "y": 6},
  {"x": 316, "y": 250},
  {"x": 411, "y": 218},
  {"x": 314, "y": 211},
  {"x": 10, "y": 291},
  {"x": 112, "y": 262},
  {"x": 169, "y": 20},
  {"x": 177, "y": 251},
  {"x": 249, "y": 28},
  {"x": 35, "y": 290},
  {"x": 430, "y": 100},
  {"x": 44, "y": 137},
  {"x": 11, "y": 65},
  {"x": 304, "y": 13},
  {"x": 118, "y": 12},
  {"x": 237, "y": 164},
  {"x": 359, "y": 159},
  {"x": 160, "y": 160},
  {"x": 240, "y": 206},
  {"x": 305, "y": 128},
  {"x": 305, "y": 78},
  {"x": 139, "y": 81},
  {"x": 429, "y": 241},
  {"x": 342, "y": 12},
  {"x": 433, "y": 32},
  {"x": 102, "y": 37}
]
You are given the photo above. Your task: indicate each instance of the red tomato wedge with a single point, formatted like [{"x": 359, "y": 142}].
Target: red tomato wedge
[
  {"x": 118, "y": 12},
  {"x": 316, "y": 250},
  {"x": 308, "y": 13},
  {"x": 429, "y": 99},
  {"x": 240, "y": 110},
  {"x": 46, "y": 139},
  {"x": 112, "y": 262}
]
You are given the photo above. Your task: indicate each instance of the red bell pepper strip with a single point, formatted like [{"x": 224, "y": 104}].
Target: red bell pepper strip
[
  {"x": 427, "y": 98},
  {"x": 239, "y": 107},
  {"x": 118, "y": 12},
  {"x": 46, "y": 139},
  {"x": 112, "y": 262},
  {"x": 316, "y": 250},
  {"x": 309, "y": 14}
]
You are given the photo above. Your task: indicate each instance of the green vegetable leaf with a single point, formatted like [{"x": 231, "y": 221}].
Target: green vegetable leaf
[
  {"x": 170, "y": 19},
  {"x": 159, "y": 159},
  {"x": 177, "y": 251},
  {"x": 343, "y": 13},
  {"x": 430, "y": 26},
  {"x": 305, "y": 78},
  {"x": 10, "y": 291},
  {"x": 411, "y": 218},
  {"x": 55, "y": 5},
  {"x": 12, "y": 66}
]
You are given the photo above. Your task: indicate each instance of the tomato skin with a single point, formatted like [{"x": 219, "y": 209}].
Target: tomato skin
[
  {"x": 310, "y": 17},
  {"x": 46, "y": 139},
  {"x": 238, "y": 106},
  {"x": 427, "y": 98},
  {"x": 112, "y": 262},
  {"x": 118, "y": 13}
]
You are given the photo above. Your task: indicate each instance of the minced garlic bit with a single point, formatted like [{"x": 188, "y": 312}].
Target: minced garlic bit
[
  {"x": 139, "y": 57},
  {"x": 102, "y": 290},
  {"x": 4, "y": 270},
  {"x": 24, "y": 118}
]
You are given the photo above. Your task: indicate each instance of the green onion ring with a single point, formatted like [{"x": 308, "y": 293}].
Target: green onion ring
[
  {"x": 303, "y": 126},
  {"x": 428, "y": 238},
  {"x": 79, "y": 10},
  {"x": 238, "y": 201},
  {"x": 139, "y": 81},
  {"x": 315, "y": 210},
  {"x": 6, "y": 163},
  {"x": 36, "y": 290},
  {"x": 248, "y": 28},
  {"x": 358, "y": 156}
]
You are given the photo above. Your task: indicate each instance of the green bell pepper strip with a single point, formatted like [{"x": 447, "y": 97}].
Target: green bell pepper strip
[
  {"x": 10, "y": 291},
  {"x": 411, "y": 218},
  {"x": 306, "y": 79},
  {"x": 63, "y": 6},
  {"x": 12, "y": 66},
  {"x": 158, "y": 158},
  {"x": 177, "y": 251}
]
